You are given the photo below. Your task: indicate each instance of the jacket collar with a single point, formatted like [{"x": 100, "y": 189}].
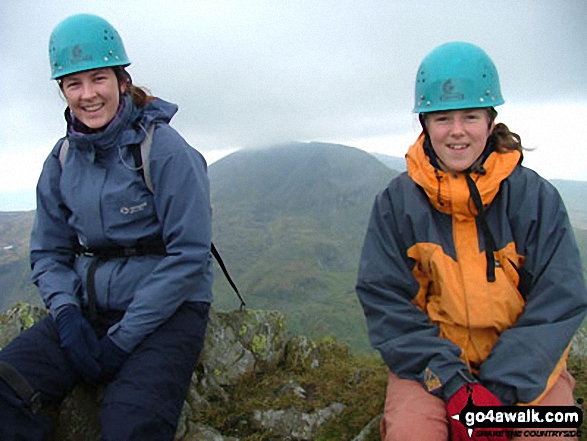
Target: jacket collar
[{"x": 448, "y": 192}]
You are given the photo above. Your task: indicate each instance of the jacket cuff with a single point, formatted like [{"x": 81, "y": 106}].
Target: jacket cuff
[
  {"x": 506, "y": 394},
  {"x": 458, "y": 380},
  {"x": 60, "y": 302}
]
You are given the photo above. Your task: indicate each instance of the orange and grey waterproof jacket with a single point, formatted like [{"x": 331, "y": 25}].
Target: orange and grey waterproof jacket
[{"x": 475, "y": 273}]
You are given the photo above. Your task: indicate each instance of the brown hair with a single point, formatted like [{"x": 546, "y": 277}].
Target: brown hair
[
  {"x": 503, "y": 139},
  {"x": 139, "y": 95}
]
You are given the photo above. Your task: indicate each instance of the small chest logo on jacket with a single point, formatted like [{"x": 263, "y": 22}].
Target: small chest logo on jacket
[{"x": 134, "y": 209}]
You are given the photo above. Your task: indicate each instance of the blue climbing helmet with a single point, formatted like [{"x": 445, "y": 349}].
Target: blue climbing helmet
[
  {"x": 83, "y": 42},
  {"x": 456, "y": 75}
]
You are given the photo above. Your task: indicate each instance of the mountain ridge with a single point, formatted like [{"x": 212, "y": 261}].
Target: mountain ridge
[{"x": 298, "y": 212}]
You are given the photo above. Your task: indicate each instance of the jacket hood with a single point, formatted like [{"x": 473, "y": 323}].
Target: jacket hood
[
  {"x": 448, "y": 192},
  {"x": 157, "y": 110}
]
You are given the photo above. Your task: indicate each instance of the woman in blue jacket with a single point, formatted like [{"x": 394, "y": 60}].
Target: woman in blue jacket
[{"x": 124, "y": 269}]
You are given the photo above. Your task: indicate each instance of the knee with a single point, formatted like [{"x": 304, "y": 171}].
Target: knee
[
  {"x": 405, "y": 429},
  {"x": 126, "y": 422}
]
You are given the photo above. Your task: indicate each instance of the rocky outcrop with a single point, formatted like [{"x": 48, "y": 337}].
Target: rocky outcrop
[
  {"x": 579, "y": 343},
  {"x": 243, "y": 347},
  {"x": 239, "y": 344},
  {"x": 294, "y": 424}
]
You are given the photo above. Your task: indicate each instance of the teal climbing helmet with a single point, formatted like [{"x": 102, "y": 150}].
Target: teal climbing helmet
[
  {"x": 456, "y": 75},
  {"x": 83, "y": 42}
]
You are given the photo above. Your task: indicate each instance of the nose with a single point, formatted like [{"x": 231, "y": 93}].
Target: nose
[
  {"x": 457, "y": 127},
  {"x": 87, "y": 90}
]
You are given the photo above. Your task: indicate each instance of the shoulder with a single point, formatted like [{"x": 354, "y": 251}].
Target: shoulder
[
  {"x": 58, "y": 153},
  {"x": 525, "y": 183},
  {"x": 530, "y": 198},
  {"x": 168, "y": 141},
  {"x": 402, "y": 190}
]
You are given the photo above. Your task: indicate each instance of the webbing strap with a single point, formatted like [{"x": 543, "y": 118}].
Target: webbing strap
[
  {"x": 216, "y": 255},
  {"x": 20, "y": 386},
  {"x": 489, "y": 240},
  {"x": 99, "y": 255},
  {"x": 141, "y": 155},
  {"x": 91, "y": 289}
]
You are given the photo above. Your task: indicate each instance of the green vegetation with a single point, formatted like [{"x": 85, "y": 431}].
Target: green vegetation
[
  {"x": 578, "y": 368},
  {"x": 15, "y": 230},
  {"x": 581, "y": 236},
  {"x": 290, "y": 222},
  {"x": 358, "y": 382}
]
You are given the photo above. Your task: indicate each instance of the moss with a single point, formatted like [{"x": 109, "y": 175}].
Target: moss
[
  {"x": 259, "y": 344},
  {"x": 357, "y": 382},
  {"x": 578, "y": 368},
  {"x": 281, "y": 323}
]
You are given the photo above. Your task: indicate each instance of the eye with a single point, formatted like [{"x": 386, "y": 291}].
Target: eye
[
  {"x": 473, "y": 116},
  {"x": 440, "y": 118},
  {"x": 71, "y": 84}
]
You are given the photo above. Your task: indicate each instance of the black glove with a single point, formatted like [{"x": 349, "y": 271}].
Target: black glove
[
  {"x": 79, "y": 342},
  {"x": 113, "y": 357}
]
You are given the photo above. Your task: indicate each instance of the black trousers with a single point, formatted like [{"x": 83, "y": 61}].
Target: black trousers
[{"x": 143, "y": 401}]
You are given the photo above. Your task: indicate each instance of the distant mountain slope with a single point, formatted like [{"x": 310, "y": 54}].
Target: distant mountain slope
[
  {"x": 393, "y": 162},
  {"x": 574, "y": 195},
  {"x": 581, "y": 236},
  {"x": 290, "y": 221},
  {"x": 15, "y": 283}
]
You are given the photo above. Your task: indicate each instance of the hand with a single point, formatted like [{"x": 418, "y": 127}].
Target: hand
[
  {"x": 112, "y": 357},
  {"x": 481, "y": 397},
  {"x": 79, "y": 342}
]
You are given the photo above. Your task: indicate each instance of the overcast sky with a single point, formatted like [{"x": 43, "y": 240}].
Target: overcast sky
[{"x": 249, "y": 73}]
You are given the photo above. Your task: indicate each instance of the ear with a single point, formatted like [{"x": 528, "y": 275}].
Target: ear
[
  {"x": 123, "y": 85},
  {"x": 491, "y": 127},
  {"x": 492, "y": 114}
]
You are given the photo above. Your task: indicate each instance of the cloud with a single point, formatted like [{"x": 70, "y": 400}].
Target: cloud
[{"x": 258, "y": 72}]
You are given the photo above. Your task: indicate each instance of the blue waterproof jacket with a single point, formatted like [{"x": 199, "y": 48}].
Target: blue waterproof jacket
[{"x": 99, "y": 200}]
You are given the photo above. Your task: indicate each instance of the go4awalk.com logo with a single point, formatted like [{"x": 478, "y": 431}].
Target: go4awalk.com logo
[{"x": 538, "y": 421}]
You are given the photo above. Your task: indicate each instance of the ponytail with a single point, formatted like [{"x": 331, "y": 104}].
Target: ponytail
[
  {"x": 140, "y": 96},
  {"x": 501, "y": 137}
]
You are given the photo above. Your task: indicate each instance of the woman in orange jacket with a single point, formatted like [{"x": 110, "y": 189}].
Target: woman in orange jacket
[{"x": 470, "y": 277}]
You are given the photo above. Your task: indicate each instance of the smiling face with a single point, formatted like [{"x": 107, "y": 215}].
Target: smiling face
[
  {"x": 93, "y": 96},
  {"x": 458, "y": 137}
]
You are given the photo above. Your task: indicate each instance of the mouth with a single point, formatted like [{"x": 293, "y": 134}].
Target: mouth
[
  {"x": 93, "y": 108},
  {"x": 457, "y": 146}
]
